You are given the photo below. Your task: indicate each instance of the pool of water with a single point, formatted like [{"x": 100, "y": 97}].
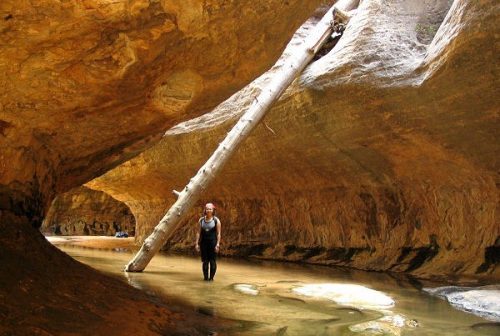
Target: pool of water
[{"x": 272, "y": 298}]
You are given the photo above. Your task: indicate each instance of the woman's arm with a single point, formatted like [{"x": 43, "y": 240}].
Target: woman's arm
[
  {"x": 197, "y": 243},
  {"x": 218, "y": 226}
]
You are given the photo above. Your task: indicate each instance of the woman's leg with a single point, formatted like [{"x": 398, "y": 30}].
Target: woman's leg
[
  {"x": 205, "y": 270},
  {"x": 212, "y": 259},
  {"x": 204, "y": 249},
  {"x": 213, "y": 268}
]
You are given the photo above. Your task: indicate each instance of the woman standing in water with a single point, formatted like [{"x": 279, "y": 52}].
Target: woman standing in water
[{"x": 208, "y": 240}]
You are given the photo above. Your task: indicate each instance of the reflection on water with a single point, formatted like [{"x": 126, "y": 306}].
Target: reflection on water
[{"x": 260, "y": 296}]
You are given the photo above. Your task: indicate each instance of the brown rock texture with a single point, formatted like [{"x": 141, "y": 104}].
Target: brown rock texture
[
  {"x": 88, "y": 84},
  {"x": 383, "y": 155},
  {"x": 43, "y": 291},
  {"x": 83, "y": 211}
]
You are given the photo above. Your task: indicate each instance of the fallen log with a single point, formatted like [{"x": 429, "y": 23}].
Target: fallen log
[{"x": 338, "y": 14}]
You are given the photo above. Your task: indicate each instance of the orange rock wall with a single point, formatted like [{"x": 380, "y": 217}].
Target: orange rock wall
[
  {"x": 89, "y": 84},
  {"x": 381, "y": 156}
]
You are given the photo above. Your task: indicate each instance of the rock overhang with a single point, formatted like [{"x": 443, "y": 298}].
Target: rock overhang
[
  {"x": 373, "y": 127},
  {"x": 90, "y": 84}
]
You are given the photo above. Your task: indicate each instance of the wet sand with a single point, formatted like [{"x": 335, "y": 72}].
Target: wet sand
[{"x": 97, "y": 242}]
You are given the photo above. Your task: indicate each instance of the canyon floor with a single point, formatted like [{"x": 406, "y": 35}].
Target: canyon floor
[{"x": 273, "y": 298}]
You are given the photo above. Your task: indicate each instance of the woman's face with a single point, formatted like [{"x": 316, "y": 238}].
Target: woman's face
[{"x": 209, "y": 210}]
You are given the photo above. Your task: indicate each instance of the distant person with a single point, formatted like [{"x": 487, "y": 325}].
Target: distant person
[
  {"x": 121, "y": 234},
  {"x": 208, "y": 241}
]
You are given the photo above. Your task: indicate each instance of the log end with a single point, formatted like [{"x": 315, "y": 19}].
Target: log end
[
  {"x": 341, "y": 16},
  {"x": 131, "y": 267}
]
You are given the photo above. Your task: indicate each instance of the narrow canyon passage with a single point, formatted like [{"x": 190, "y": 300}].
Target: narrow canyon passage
[
  {"x": 270, "y": 298},
  {"x": 382, "y": 156}
]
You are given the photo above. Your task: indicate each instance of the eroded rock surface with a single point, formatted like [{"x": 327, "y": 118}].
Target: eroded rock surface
[
  {"x": 83, "y": 211},
  {"x": 381, "y": 156}
]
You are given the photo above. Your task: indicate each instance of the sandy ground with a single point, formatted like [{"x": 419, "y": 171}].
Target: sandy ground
[{"x": 98, "y": 242}]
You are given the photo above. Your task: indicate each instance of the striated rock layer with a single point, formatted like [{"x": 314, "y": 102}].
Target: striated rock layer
[
  {"x": 383, "y": 155},
  {"x": 83, "y": 211},
  {"x": 88, "y": 84}
]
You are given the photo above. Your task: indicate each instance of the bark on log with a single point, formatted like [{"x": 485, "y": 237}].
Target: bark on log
[{"x": 190, "y": 194}]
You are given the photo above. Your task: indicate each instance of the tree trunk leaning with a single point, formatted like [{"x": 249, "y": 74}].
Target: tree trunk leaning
[{"x": 190, "y": 194}]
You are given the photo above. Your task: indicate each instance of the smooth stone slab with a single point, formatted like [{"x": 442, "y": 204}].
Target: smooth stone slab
[
  {"x": 347, "y": 294},
  {"x": 482, "y": 301}
]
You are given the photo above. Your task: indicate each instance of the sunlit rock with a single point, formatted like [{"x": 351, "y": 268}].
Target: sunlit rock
[
  {"x": 481, "y": 301},
  {"x": 347, "y": 294}
]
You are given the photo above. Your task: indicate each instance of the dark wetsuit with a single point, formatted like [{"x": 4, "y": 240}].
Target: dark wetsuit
[{"x": 208, "y": 241}]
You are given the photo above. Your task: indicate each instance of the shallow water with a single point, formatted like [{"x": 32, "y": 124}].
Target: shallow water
[{"x": 260, "y": 297}]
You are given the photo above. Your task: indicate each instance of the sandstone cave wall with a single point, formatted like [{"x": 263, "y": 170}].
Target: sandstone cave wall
[
  {"x": 381, "y": 156},
  {"x": 83, "y": 211},
  {"x": 85, "y": 86}
]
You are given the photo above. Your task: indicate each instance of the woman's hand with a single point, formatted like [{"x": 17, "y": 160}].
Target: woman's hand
[
  {"x": 197, "y": 247},
  {"x": 217, "y": 248}
]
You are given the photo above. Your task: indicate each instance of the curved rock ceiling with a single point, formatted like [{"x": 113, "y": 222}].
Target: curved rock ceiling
[
  {"x": 89, "y": 84},
  {"x": 383, "y": 155}
]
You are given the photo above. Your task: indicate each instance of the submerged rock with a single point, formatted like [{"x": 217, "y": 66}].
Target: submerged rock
[
  {"x": 481, "y": 301},
  {"x": 347, "y": 294},
  {"x": 489, "y": 329},
  {"x": 246, "y": 289},
  {"x": 392, "y": 325}
]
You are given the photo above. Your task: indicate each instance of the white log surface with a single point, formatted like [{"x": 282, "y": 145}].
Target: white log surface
[{"x": 190, "y": 194}]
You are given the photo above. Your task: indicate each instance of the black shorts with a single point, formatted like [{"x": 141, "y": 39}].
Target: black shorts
[{"x": 207, "y": 249}]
